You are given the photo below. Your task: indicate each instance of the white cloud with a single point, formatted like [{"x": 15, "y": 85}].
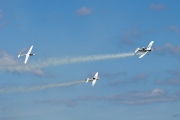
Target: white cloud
[
  {"x": 157, "y": 7},
  {"x": 176, "y": 115},
  {"x": 1, "y": 14},
  {"x": 143, "y": 97},
  {"x": 174, "y": 79},
  {"x": 9, "y": 64},
  {"x": 174, "y": 28},
  {"x": 168, "y": 48},
  {"x": 69, "y": 103},
  {"x": 84, "y": 11},
  {"x": 170, "y": 81},
  {"x": 112, "y": 75},
  {"x": 134, "y": 79},
  {"x": 131, "y": 98},
  {"x": 131, "y": 36}
]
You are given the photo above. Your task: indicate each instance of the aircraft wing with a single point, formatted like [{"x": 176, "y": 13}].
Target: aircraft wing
[
  {"x": 136, "y": 51},
  {"x": 93, "y": 82},
  {"x": 96, "y": 75},
  {"x": 143, "y": 54},
  {"x": 150, "y": 44},
  {"x": 26, "y": 59},
  {"x": 30, "y": 50}
]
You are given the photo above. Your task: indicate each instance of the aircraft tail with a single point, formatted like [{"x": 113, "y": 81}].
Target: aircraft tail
[
  {"x": 19, "y": 55},
  {"x": 87, "y": 80},
  {"x": 135, "y": 52}
]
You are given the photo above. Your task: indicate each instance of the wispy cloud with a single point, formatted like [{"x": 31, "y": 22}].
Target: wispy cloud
[
  {"x": 2, "y": 25},
  {"x": 134, "y": 79},
  {"x": 126, "y": 40},
  {"x": 171, "y": 81},
  {"x": 174, "y": 28},
  {"x": 168, "y": 48},
  {"x": 176, "y": 115},
  {"x": 9, "y": 64},
  {"x": 69, "y": 103},
  {"x": 144, "y": 97},
  {"x": 131, "y": 98},
  {"x": 158, "y": 7},
  {"x": 174, "y": 80},
  {"x": 83, "y": 11},
  {"x": 18, "y": 116},
  {"x": 130, "y": 36},
  {"x": 136, "y": 34},
  {"x": 112, "y": 75},
  {"x": 2, "y": 21},
  {"x": 174, "y": 72},
  {"x": 1, "y": 14}
]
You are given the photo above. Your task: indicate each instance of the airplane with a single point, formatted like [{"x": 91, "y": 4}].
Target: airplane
[
  {"x": 94, "y": 79},
  {"x": 27, "y": 55},
  {"x": 144, "y": 50}
]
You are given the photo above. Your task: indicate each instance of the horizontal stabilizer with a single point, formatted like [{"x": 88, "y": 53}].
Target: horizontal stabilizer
[
  {"x": 136, "y": 50},
  {"x": 87, "y": 80},
  {"x": 19, "y": 55}
]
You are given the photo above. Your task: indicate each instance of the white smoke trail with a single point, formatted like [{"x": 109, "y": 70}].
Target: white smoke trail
[
  {"x": 36, "y": 88},
  {"x": 8, "y": 63},
  {"x": 70, "y": 60}
]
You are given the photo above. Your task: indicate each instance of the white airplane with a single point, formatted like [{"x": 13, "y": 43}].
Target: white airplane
[
  {"x": 144, "y": 50},
  {"x": 94, "y": 79},
  {"x": 27, "y": 55}
]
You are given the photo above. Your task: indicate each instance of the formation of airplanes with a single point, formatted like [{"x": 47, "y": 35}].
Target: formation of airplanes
[{"x": 143, "y": 51}]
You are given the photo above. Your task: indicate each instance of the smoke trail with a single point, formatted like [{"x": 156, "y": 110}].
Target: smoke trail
[
  {"x": 8, "y": 63},
  {"x": 36, "y": 88},
  {"x": 70, "y": 60}
]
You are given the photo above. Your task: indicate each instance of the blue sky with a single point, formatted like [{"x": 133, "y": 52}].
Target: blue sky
[{"x": 62, "y": 31}]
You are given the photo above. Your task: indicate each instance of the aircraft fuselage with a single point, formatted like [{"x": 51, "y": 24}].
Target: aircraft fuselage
[
  {"x": 31, "y": 54},
  {"x": 93, "y": 79},
  {"x": 144, "y": 50}
]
